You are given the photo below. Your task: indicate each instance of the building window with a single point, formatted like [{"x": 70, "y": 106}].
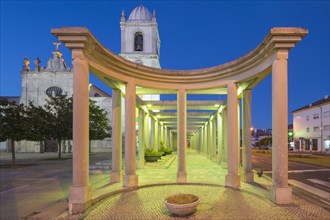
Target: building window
[
  {"x": 326, "y": 114},
  {"x": 314, "y": 144},
  {"x": 138, "y": 41},
  {"x": 54, "y": 91},
  {"x": 97, "y": 95},
  {"x": 307, "y": 144},
  {"x": 316, "y": 129},
  {"x": 316, "y": 116},
  {"x": 326, "y": 127},
  {"x": 307, "y": 117},
  {"x": 307, "y": 129}
]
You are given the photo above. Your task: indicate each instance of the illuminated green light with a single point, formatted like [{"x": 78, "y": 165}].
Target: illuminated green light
[
  {"x": 290, "y": 133},
  {"x": 216, "y": 105}
]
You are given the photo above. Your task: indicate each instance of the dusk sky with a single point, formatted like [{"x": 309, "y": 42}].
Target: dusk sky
[{"x": 194, "y": 34}]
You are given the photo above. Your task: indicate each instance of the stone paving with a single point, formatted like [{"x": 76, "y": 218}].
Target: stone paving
[
  {"x": 206, "y": 180},
  {"x": 156, "y": 181},
  {"x": 216, "y": 202}
]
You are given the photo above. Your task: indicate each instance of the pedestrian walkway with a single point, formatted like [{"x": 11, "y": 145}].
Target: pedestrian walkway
[
  {"x": 206, "y": 180},
  {"x": 45, "y": 195}
]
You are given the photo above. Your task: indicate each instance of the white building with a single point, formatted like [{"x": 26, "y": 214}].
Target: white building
[{"x": 311, "y": 126}]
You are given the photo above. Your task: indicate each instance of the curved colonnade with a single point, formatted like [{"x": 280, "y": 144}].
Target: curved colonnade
[{"x": 235, "y": 78}]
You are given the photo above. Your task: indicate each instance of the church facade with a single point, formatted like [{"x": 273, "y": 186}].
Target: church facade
[
  {"x": 56, "y": 78},
  {"x": 140, "y": 43}
]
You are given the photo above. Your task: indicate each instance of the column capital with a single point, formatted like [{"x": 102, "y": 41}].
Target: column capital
[
  {"x": 77, "y": 54},
  {"x": 282, "y": 54}
]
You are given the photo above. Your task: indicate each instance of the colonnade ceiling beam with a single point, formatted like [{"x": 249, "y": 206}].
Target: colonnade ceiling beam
[
  {"x": 162, "y": 115},
  {"x": 153, "y": 91},
  {"x": 113, "y": 84},
  {"x": 189, "y": 103},
  {"x": 190, "y": 126},
  {"x": 203, "y": 107},
  {"x": 190, "y": 131},
  {"x": 244, "y": 85},
  {"x": 211, "y": 91},
  {"x": 188, "y": 122}
]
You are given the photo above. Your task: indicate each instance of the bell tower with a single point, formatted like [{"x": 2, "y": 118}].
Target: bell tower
[{"x": 140, "y": 40}]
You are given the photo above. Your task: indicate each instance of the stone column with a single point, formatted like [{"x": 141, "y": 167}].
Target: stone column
[
  {"x": 182, "y": 135},
  {"x": 130, "y": 178},
  {"x": 232, "y": 178},
  {"x": 80, "y": 193},
  {"x": 209, "y": 139},
  {"x": 141, "y": 139},
  {"x": 161, "y": 130},
  {"x": 153, "y": 133},
  {"x": 220, "y": 138},
  {"x": 156, "y": 136},
  {"x": 224, "y": 159},
  {"x": 171, "y": 140},
  {"x": 117, "y": 152},
  {"x": 214, "y": 140},
  {"x": 239, "y": 133},
  {"x": 146, "y": 131},
  {"x": 202, "y": 140},
  {"x": 165, "y": 136},
  {"x": 246, "y": 137},
  {"x": 280, "y": 193},
  {"x": 205, "y": 139}
]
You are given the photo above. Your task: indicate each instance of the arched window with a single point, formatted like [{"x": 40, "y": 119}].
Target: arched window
[
  {"x": 54, "y": 91},
  {"x": 138, "y": 41}
]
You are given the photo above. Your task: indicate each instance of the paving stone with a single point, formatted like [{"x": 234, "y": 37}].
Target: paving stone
[{"x": 216, "y": 202}]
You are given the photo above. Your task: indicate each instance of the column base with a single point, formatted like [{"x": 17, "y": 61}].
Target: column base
[
  {"x": 140, "y": 164},
  {"x": 232, "y": 180},
  {"x": 280, "y": 195},
  {"x": 116, "y": 177},
  {"x": 181, "y": 177},
  {"x": 248, "y": 177},
  {"x": 80, "y": 198},
  {"x": 130, "y": 181},
  {"x": 224, "y": 164}
]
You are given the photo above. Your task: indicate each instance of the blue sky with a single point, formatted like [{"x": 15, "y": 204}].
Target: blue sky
[{"x": 194, "y": 34}]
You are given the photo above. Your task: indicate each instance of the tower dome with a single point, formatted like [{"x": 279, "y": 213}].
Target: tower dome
[{"x": 140, "y": 13}]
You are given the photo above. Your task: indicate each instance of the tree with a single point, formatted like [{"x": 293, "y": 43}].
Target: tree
[
  {"x": 99, "y": 127},
  {"x": 13, "y": 124},
  {"x": 52, "y": 121},
  {"x": 59, "y": 123},
  {"x": 38, "y": 119}
]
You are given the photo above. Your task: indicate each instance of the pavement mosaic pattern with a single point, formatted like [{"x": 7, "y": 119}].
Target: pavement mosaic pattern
[{"x": 216, "y": 202}]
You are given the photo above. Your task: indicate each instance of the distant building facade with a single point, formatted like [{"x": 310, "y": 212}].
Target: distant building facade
[
  {"x": 40, "y": 84},
  {"x": 311, "y": 126}
]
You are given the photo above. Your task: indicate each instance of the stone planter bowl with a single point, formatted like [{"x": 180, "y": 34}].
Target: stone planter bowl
[{"x": 181, "y": 209}]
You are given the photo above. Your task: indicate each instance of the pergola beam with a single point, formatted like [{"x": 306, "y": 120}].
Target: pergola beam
[{"x": 152, "y": 91}]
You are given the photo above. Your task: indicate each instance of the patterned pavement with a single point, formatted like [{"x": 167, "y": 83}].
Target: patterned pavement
[
  {"x": 206, "y": 180},
  {"x": 216, "y": 202}
]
